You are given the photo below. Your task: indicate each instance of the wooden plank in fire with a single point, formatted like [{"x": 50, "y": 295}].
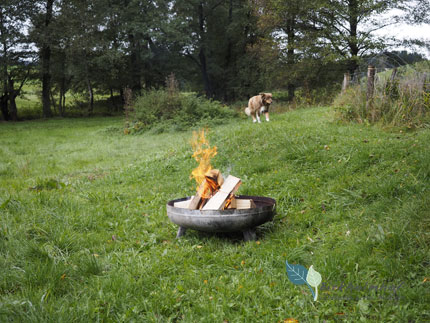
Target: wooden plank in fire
[
  {"x": 228, "y": 188},
  {"x": 238, "y": 204},
  {"x": 212, "y": 176},
  {"x": 242, "y": 204},
  {"x": 195, "y": 200},
  {"x": 183, "y": 204}
]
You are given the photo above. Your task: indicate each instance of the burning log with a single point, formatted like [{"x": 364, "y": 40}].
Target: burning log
[
  {"x": 211, "y": 184},
  {"x": 213, "y": 180},
  {"x": 225, "y": 192},
  {"x": 216, "y": 194}
]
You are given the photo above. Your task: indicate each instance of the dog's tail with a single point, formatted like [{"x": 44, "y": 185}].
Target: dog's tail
[{"x": 248, "y": 111}]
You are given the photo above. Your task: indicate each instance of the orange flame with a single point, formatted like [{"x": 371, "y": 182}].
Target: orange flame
[
  {"x": 202, "y": 154},
  {"x": 210, "y": 187}
]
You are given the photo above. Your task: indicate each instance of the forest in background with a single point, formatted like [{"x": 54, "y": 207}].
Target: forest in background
[{"x": 224, "y": 49}]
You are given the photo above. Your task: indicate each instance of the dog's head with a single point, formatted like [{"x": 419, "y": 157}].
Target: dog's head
[{"x": 266, "y": 98}]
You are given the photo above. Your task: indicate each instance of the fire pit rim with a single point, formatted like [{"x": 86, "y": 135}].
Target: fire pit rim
[
  {"x": 230, "y": 220},
  {"x": 262, "y": 202}
]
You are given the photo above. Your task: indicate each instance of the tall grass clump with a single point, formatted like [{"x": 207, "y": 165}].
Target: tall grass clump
[
  {"x": 401, "y": 98},
  {"x": 168, "y": 109}
]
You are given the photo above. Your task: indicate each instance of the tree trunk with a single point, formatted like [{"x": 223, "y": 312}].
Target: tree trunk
[
  {"x": 89, "y": 86},
  {"x": 62, "y": 85},
  {"x": 136, "y": 78},
  {"x": 4, "y": 74},
  {"x": 46, "y": 58},
  {"x": 12, "y": 103},
  {"x": 228, "y": 58},
  {"x": 353, "y": 12},
  {"x": 290, "y": 54},
  {"x": 4, "y": 106},
  {"x": 60, "y": 104},
  {"x": 205, "y": 74},
  {"x": 13, "y": 94},
  {"x": 5, "y": 97},
  {"x": 64, "y": 102},
  {"x": 60, "y": 100},
  {"x": 202, "y": 55},
  {"x": 112, "y": 98},
  {"x": 53, "y": 101},
  {"x": 13, "y": 109},
  {"x": 91, "y": 96},
  {"x": 121, "y": 94}
]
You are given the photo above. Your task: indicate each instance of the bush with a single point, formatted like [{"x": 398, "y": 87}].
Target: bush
[
  {"x": 163, "y": 111},
  {"x": 350, "y": 105}
]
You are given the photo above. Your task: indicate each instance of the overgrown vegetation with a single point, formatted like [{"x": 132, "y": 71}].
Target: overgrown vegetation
[
  {"x": 166, "y": 110},
  {"x": 84, "y": 234},
  {"x": 402, "y": 99}
]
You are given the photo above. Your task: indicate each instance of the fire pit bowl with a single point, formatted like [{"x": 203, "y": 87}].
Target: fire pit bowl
[{"x": 230, "y": 220}]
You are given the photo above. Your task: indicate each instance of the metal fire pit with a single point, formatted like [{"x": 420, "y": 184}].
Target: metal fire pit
[{"x": 231, "y": 220}]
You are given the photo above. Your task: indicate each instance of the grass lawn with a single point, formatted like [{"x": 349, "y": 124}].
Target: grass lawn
[{"x": 84, "y": 234}]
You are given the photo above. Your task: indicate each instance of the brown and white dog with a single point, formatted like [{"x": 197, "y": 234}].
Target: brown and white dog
[{"x": 259, "y": 104}]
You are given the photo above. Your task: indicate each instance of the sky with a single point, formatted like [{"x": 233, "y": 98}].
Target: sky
[{"x": 404, "y": 31}]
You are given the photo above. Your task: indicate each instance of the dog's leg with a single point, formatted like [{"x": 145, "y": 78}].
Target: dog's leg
[
  {"x": 254, "y": 116},
  {"x": 266, "y": 114},
  {"x": 258, "y": 116}
]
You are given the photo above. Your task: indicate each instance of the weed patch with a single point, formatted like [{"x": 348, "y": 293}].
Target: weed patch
[{"x": 403, "y": 100}]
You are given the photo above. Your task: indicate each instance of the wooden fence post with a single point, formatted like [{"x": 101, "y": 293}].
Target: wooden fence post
[
  {"x": 393, "y": 75},
  {"x": 389, "y": 86},
  {"x": 346, "y": 80},
  {"x": 370, "y": 89}
]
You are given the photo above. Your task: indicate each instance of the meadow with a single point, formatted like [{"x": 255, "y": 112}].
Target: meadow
[{"x": 84, "y": 235}]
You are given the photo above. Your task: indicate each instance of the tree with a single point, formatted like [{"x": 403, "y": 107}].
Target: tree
[
  {"x": 76, "y": 46},
  {"x": 42, "y": 34},
  {"x": 140, "y": 28},
  {"x": 317, "y": 39},
  {"x": 418, "y": 11},
  {"x": 347, "y": 26},
  {"x": 14, "y": 54},
  {"x": 215, "y": 36},
  {"x": 44, "y": 24},
  {"x": 290, "y": 26}
]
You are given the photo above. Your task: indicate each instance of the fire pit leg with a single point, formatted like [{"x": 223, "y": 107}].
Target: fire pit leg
[
  {"x": 181, "y": 232},
  {"x": 249, "y": 235}
]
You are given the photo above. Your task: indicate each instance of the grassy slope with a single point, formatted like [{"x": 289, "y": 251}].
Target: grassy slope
[{"x": 84, "y": 233}]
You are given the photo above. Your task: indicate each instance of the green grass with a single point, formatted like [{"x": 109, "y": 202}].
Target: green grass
[{"x": 84, "y": 234}]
